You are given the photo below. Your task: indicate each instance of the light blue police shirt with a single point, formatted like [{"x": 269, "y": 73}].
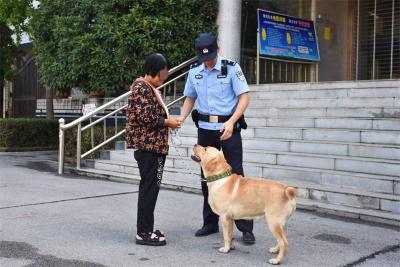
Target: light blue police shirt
[{"x": 215, "y": 94}]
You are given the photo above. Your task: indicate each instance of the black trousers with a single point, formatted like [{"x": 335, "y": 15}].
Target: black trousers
[
  {"x": 232, "y": 149},
  {"x": 151, "y": 166}
]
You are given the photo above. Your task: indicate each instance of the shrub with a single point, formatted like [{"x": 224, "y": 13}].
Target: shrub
[{"x": 28, "y": 133}]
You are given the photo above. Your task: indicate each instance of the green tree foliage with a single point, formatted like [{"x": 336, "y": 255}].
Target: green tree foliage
[
  {"x": 7, "y": 49},
  {"x": 101, "y": 45},
  {"x": 14, "y": 16}
]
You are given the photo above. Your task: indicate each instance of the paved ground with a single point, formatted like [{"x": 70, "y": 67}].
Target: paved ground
[{"x": 48, "y": 220}]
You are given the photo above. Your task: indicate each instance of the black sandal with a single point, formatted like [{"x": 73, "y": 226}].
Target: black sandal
[
  {"x": 150, "y": 239},
  {"x": 159, "y": 233}
]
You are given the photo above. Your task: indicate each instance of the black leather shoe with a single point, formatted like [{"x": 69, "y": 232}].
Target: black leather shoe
[
  {"x": 248, "y": 238},
  {"x": 207, "y": 230}
]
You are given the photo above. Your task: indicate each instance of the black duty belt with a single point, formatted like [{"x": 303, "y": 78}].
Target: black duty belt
[{"x": 214, "y": 118}]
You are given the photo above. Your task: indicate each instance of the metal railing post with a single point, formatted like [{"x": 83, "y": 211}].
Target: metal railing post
[
  {"x": 61, "y": 147},
  {"x": 78, "y": 146},
  {"x": 175, "y": 87},
  {"x": 105, "y": 130},
  {"x": 91, "y": 134},
  {"x": 116, "y": 124},
  {"x": 91, "y": 115}
]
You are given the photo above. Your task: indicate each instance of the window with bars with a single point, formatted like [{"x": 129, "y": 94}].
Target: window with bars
[{"x": 378, "y": 39}]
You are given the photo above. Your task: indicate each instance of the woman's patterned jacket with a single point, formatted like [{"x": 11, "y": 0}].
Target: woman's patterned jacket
[{"x": 145, "y": 117}]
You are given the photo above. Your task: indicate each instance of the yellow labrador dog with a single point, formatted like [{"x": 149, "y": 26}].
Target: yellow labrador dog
[{"x": 235, "y": 197}]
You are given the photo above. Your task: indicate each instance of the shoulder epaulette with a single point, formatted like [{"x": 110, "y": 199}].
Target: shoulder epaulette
[
  {"x": 194, "y": 65},
  {"x": 230, "y": 62}
]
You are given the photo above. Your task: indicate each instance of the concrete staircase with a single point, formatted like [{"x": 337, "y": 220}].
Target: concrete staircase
[{"x": 337, "y": 142}]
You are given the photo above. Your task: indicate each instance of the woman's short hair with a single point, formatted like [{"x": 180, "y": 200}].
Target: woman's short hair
[{"x": 154, "y": 63}]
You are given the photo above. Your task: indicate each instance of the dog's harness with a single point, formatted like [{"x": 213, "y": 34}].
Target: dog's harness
[{"x": 216, "y": 177}]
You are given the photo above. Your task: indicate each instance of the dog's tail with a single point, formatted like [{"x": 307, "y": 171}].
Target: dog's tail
[{"x": 290, "y": 192}]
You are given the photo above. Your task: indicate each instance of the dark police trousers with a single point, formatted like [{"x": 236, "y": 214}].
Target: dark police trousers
[
  {"x": 151, "y": 166},
  {"x": 232, "y": 149}
]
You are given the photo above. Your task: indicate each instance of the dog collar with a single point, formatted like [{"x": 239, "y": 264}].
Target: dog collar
[{"x": 216, "y": 177}]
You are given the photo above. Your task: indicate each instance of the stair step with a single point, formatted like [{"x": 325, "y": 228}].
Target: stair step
[
  {"x": 324, "y": 135},
  {"x": 171, "y": 176},
  {"x": 354, "y": 102},
  {"x": 378, "y": 84},
  {"x": 357, "y": 213},
  {"x": 132, "y": 169},
  {"x": 333, "y": 123},
  {"x": 328, "y": 195},
  {"x": 184, "y": 147},
  {"x": 313, "y": 147},
  {"x": 391, "y": 124},
  {"x": 390, "y": 152},
  {"x": 369, "y": 136},
  {"x": 326, "y": 192},
  {"x": 366, "y": 182},
  {"x": 359, "y": 181},
  {"x": 379, "y": 112},
  {"x": 328, "y": 147},
  {"x": 295, "y": 159},
  {"x": 336, "y": 135},
  {"x": 327, "y": 93},
  {"x": 263, "y": 167}
]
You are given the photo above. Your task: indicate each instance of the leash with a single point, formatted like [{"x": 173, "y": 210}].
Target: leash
[{"x": 176, "y": 141}]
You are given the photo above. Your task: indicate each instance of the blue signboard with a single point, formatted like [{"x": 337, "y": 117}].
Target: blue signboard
[{"x": 285, "y": 36}]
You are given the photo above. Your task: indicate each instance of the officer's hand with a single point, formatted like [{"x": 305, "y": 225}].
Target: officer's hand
[
  {"x": 227, "y": 128},
  {"x": 172, "y": 123}
]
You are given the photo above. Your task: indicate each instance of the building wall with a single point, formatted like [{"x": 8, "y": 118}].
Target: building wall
[
  {"x": 334, "y": 21},
  {"x": 336, "y": 26}
]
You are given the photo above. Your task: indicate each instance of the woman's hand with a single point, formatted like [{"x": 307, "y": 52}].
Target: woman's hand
[
  {"x": 172, "y": 123},
  {"x": 181, "y": 119}
]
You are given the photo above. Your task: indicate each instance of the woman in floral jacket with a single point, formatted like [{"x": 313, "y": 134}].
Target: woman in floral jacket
[{"x": 147, "y": 128}]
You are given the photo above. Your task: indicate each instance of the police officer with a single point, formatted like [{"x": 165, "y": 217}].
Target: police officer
[{"x": 219, "y": 89}]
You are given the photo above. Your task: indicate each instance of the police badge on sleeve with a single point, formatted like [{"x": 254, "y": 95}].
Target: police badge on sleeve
[{"x": 240, "y": 75}]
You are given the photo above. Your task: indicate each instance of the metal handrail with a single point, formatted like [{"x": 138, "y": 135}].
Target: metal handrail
[
  {"x": 105, "y": 117},
  {"x": 175, "y": 101},
  {"x": 104, "y": 143},
  {"x": 78, "y": 122},
  {"x": 122, "y": 97}
]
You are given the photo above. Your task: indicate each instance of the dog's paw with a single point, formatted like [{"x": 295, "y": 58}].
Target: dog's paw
[
  {"x": 274, "y": 249},
  {"x": 274, "y": 261},
  {"x": 224, "y": 250}
]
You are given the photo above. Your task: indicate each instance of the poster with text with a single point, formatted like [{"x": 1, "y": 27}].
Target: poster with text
[{"x": 287, "y": 37}]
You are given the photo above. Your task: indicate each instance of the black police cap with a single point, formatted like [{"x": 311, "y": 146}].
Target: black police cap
[{"x": 206, "y": 46}]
